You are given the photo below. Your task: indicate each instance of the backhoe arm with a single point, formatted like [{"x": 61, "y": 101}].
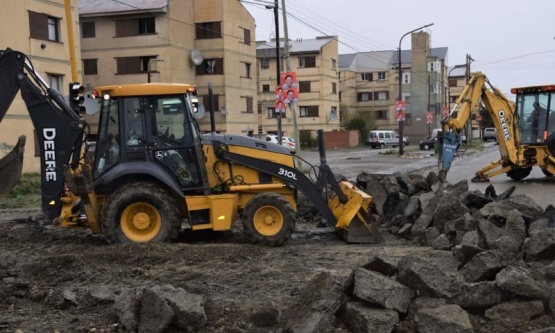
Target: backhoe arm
[
  {"x": 500, "y": 108},
  {"x": 58, "y": 129}
]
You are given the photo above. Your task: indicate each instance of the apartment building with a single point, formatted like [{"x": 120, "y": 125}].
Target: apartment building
[
  {"x": 38, "y": 29},
  {"x": 176, "y": 41},
  {"x": 315, "y": 62},
  {"x": 369, "y": 85}
]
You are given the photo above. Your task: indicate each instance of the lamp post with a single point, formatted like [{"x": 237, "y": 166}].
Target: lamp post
[
  {"x": 148, "y": 66},
  {"x": 401, "y": 143}
]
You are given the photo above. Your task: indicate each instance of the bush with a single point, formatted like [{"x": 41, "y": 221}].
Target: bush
[{"x": 27, "y": 193}]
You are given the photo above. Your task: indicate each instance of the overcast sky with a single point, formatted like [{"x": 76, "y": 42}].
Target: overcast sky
[{"x": 511, "y": 41}]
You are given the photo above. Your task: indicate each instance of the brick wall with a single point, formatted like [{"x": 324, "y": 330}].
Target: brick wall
[{"x": 341, "y": 139}]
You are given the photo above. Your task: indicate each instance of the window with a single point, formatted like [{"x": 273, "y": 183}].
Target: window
[
  {"x": 454, "y": 99},
  {"x": 381, "y": 75},
  {"x": 271, "y": 113},
  {"x": 334, "y": 88},
  {"x": 246, "y": 36},
  {"x": 265, "y": 88},
  {"x": 333, "y": 64},
  {"x": 246, "y": 70},
  {"x": 452, "y": 82},
  {"x": 55, "y": 81},
  {"x": 309, "y": 111},
  {"x": 88, "y": 30},
  {"x": 365, "y": 96},
  {"x": 433, "y": 88},
  {"x": 304, "y": 86},
  {"x": 90, "y": 66},
  {"x": 259, "y": 108},
  {"x": 146, "y": 26},
  {"x": 407, "y": 99},
  {"x": 381, "y": 114},
  {"x": 208, "y": 30},
  {"x": 408, "y": 119},
  {"x": 211, "y": 66},
  {"x": 44, "y": 27},
  {"x": 265, "y": 64},
  {"x": 406, "y": 78},
  {"x": 381, "y": 95},
  {"x": 366, "y": 77},
  {"x": 134, "y": 65},
  {"x": 249, "y": 103},
  {"x": 135, "y": 27},
  {"x": 307, "y": 62}
]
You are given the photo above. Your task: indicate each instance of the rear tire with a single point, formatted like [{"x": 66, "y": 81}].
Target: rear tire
[
  {"x": 268, "y": 219},
  {"x": 140, "y": 212},
  {"x": 519, "y": 174},
  {"x": 382, "y": 145}
]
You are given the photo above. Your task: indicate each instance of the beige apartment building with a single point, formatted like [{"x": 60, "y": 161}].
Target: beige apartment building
[
  {"x": 369, "y": 86},
  {"x": 315, "y": 62},
  {"x": 457, "y": 77},
  {"x": 176, "y": 41},
  {"x": 39, "y": 29}
]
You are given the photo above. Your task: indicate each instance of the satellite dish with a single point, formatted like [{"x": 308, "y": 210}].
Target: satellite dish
[
  {"x": 196, "y": 57},
  {"x": 200, "y": 112},
  {"x": 333, "y": 115}
]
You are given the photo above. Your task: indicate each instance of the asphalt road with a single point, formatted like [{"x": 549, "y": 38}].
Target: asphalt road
[{"x": 351, "y": 162}]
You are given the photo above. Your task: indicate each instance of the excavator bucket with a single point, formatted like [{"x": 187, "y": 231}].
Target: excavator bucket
[
  {"x": 11, "y": 166},
  {"x": 354, "y": 220}
]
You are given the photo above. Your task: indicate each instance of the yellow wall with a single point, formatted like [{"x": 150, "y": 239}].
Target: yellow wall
[{"x": 53, "y": 58}]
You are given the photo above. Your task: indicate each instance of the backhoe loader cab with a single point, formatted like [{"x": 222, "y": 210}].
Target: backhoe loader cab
[{"x": 535, "y": 108}]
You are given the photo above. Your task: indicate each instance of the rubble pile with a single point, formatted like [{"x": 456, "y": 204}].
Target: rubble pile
[{"x": 493, "y": 270}]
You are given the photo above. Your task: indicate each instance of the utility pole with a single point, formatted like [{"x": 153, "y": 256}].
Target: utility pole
[
  {"x": 467, "y": 77},
  {"x": 278, "y": 66},
  {"x": 71, "y": 41},
  {"x": 288, "y": 69}
]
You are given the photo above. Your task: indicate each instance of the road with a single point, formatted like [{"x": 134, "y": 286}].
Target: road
[{"x": 351, "y": 162}]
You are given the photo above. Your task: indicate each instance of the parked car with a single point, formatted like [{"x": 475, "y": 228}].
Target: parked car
[
  {"x": 285, "y": 141},
  {"x": 381, "y": 139},
  {"x": 428, "y": 144},
  {"x": 489, "y": 134}
]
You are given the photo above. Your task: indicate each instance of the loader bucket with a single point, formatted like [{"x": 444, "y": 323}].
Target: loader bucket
[
  {"x": 11, "y": 166},
  {"x": 354, "y": 220}
]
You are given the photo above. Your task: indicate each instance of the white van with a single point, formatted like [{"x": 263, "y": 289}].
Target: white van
[{"x": 381, "y": 139}]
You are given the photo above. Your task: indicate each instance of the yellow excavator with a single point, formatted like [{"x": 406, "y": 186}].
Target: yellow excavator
[
  {"x": 525, "y": 130},
  {"x": 150, "y": 172}
]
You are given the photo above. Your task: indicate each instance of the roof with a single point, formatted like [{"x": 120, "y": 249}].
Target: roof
[
  {"x": 381, "y": 60},
  {"x": 147, "y": 89},
  {"x": 111, "y": 7},
  {"x": 267, "y": 49}
]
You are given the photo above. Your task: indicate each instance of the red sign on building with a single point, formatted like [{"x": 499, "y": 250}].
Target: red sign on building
[{"x": 429, "y": 117}]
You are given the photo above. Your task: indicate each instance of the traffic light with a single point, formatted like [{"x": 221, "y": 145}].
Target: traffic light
[{"x": 77, "y": 97}]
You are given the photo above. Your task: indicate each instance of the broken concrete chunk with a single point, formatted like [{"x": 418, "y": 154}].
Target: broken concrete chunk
[
  {"x": 381, "y": 290},
  {"x": 484, "y": 266},
  {"x": 362, "y": 318},
  {"x": 188, "y": 308},
  {"x": 540, "y": 244},
  {"x": 518, "y": 281},
  {"x": 446, "y": 318},
  {"x": 155, "y": 314},
  {"x": 514, "y": 311}
]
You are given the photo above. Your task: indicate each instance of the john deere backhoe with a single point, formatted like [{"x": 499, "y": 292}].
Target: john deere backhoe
[
  {"x": 525, "y": 130},
  {"x": 152, "y": 172}
]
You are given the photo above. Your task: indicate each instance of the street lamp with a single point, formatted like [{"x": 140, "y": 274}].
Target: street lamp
[
  {"x": 148, "y": 65},
  {"x": 401, "y": 143}
]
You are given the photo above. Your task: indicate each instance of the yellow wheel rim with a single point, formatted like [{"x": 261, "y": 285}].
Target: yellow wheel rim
[
  {"x": 268, "y": 220},
  {"x": 140, "y": 222}
]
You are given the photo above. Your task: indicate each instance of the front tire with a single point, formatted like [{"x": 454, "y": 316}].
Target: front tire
[
  {"x": 140, "y": 212},
  {"x": 519, "y": 174},
  {"x": 268, "y": 219}
]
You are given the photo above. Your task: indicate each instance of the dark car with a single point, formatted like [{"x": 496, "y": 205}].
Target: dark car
[{"x": 427, "y": 144}]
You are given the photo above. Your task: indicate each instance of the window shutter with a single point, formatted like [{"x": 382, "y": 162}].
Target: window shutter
[
  {"x": 249, "y": 104},
  {"x": 127, "y": 28},
  {"x": 38, "y": 25},
  {"x": 310, "y": 62},
  {"x": 304, "y": 86},
  {"x": 89, "y": 67},
  {"x": 206, "y": 103},
  {"x": 88, "y": 29},
  {"x": 128, "y": 65},
  {"x": 219, "y": 66},
  {"x": 246, "y": 36}
]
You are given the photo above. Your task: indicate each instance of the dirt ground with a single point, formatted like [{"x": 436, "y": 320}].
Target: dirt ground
[{"x": 38, "y": 262}]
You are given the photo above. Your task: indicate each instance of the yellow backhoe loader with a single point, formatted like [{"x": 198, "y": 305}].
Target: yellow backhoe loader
[
  {"x": 525, "y": 130},
  {"x": 152, "y": 172}
]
